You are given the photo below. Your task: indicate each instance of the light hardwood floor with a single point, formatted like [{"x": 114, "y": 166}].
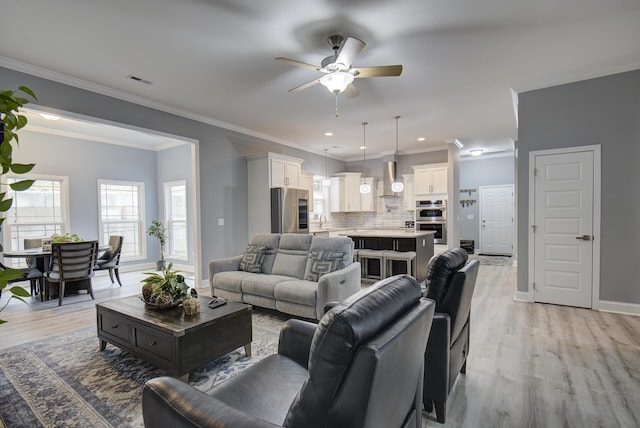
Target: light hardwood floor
[{"x": 530, "y": 365}]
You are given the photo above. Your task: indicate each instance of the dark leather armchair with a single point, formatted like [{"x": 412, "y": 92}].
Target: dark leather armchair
[
  {"x": 450, "y": 283},
  {"x": 361, "y": 366}
]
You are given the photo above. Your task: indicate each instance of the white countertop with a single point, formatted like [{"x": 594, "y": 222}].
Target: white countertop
[{"x": 388, "y": 233}]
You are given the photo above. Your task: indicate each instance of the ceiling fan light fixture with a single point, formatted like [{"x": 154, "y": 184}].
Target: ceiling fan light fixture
[{"x": 337, "y": 81}]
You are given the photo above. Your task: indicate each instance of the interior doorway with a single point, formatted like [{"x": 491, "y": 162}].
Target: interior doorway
[
  {"x": 496, "y": 219},
  {"x": 564, "y": 201}
]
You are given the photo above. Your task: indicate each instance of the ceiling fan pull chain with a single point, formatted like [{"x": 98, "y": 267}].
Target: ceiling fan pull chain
[{"x": 337, "y": 112}]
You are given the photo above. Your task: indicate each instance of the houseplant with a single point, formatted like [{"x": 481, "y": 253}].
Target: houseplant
[
  {"x": 10, "y": 122},
  {"x": 165, "y": 289},
  {"x": 157, "y": 230}
]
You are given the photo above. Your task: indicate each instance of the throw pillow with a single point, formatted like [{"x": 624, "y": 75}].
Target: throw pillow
[
  {"x": 252, "y": 258},
  {"x": 322, "y": 262}
]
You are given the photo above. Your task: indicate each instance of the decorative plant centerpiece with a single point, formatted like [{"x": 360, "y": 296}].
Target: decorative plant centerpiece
[
  {"x": 65, "y": 238},
  {"x": 165, "y": 289},
  {"x": 157, "y": 230},
  {"x": 10, "y": 122}
]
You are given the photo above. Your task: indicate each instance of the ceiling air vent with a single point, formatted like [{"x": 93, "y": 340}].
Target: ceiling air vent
[{"x": 139, "y": 79}]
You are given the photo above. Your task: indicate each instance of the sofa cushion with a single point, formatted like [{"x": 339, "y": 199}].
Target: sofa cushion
[
  {"x": 230, "y": 280},
  {"x": 291, "y": 258},
  {"x": 439, "y": 271},
  {"x": 271, "y": 242},
  {"x": 297, "y": 291},
  {"x": 252, "y": 258},
  {"x": 262, "y": 284},
  {"x": 321, "y": 262}
]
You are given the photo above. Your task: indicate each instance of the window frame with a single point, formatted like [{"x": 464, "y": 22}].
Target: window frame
[
  {"x": 142, "y": 230},
  {"x": 167, "y": 185}
]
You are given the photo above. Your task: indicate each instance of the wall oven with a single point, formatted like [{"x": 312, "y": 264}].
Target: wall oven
[
  {"x": 439, "y": 227},
  {"x": 431, "y": 210}
]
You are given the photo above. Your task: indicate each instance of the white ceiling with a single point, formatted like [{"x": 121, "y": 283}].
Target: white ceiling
[{"x": 214, "y": 60}]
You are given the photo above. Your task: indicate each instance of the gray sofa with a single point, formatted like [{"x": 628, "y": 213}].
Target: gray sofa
[{"x": 297, "y": 274}]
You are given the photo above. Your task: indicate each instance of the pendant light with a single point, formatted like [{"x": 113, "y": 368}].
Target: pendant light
[
  {"x": 397, "y": 185},
  {"x": 364, "y": 187},
  {"x": 325, "y": 181}
]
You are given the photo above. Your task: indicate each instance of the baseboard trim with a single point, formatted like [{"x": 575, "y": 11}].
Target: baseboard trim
[
  {"x": 619, "y": 307},
  {"x": 522, "y": 296}
]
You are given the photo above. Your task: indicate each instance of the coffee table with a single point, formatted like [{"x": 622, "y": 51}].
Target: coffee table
[{"x": 170, "y": 339}]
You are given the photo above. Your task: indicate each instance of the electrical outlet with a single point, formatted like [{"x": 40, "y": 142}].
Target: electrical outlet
[
  {"x": 469, "y": 216},
  {"x": 220, "y": 222}
]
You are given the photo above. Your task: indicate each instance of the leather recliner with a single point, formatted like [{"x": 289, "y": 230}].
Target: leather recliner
[
  {"x": 361, "y": 366},
  {"x": 450, "y": 283}
]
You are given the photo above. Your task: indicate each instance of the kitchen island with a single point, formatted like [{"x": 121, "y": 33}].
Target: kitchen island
[{"x": 399, "y": 240}]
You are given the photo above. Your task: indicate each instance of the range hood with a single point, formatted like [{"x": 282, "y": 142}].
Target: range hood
[{"x": 389, "y": 169}]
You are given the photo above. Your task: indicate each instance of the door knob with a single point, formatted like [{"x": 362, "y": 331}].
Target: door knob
[{"x": 584, "y": 237}]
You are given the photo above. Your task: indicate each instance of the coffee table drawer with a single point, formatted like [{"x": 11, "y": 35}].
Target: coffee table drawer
[
  {"x": 157, "y": 343},
  {"x": 114, "y": 325}
]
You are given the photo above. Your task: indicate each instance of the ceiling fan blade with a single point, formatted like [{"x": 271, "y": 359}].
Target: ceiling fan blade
[
  {"x": 305, "y": 85},
  {"x": 298, "y": 63},
  {"x": 383, "y": 70},
  {"x": 351, "y": 91},
  {"x": 350, "y": 49}
]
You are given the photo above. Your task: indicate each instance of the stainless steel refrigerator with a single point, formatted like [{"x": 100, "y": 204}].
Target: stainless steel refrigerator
[{"x": 289, "y": 210}]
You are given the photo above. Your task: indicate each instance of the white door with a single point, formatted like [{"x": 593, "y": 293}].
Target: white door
[
  {"x": 496, "y": 219},
  {"x": 563, "y": 228}
]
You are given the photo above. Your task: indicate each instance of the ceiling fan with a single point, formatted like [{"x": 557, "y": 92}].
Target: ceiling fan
[{"x": 338, "y": 73}]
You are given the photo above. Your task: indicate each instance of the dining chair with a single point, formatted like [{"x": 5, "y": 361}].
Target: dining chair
[
  {"x": 29, "y": 274},
  {"x": 35, "y": 263},
  {"x": 72, "y": 262},
  {"x": 110, "y": 260}
]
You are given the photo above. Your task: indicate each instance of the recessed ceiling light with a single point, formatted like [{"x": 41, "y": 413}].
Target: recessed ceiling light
[
  {"x": 50, "y": 116},
  {"x": 476, "y": 152},
  {"x": 328, "y": 134},
  {"x": 421, "y": 138},
  {"x": 363, "y": 147}
]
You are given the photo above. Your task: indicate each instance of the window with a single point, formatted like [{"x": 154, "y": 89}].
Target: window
[
  {"x": 37, "y": 212},
  {"x": 320, "y": 198},
  {"x": 121, "y": 212},
  {"x": 175, "y": 196}
]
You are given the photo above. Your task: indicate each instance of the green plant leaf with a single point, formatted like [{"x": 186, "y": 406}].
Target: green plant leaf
[
  {"x": 8, "y": 274},
  {"x": 22, "y": 185},
  {"x": 28, "y": 91},
  {"x": 5, "y": 204},
  {"x": 19, "y": 291},
  {"x": 22, "y": 168}
]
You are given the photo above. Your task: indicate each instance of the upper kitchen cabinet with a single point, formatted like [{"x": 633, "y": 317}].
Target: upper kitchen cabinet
[
  {"x": 285, "y": 171},
  {"x": 344, "y": 195},
  {"x": 306, "y": 183},
  {"x": 430, "y": 179},
  {"x": 408, "y": 195}
]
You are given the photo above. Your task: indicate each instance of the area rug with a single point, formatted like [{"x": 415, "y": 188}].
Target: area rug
[
  {"x": 65, "y": 381},
  {"x": 492, "y": 260}
]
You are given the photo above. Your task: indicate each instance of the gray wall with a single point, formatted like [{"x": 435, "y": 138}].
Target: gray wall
[
  {"x": 84, "y": 162},
  {"x": 603, "y": 111},
  {"x": 476, "y": 172},
  {"x": 222, "y": 163}
]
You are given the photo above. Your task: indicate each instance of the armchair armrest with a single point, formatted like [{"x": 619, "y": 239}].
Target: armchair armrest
[
  {"x": 436, "y": 359},
  {"x": 295, "y": 340},
  {"x": 169, "y": 402},
  {"x": 337, "y": 286},
  {"x": 440, "y": 336}
]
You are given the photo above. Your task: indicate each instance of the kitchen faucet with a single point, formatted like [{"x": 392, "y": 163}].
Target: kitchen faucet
[{"x": 320, "y": 220}]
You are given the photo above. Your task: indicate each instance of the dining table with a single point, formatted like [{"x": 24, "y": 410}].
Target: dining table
[{"x": 51, "y": 291}]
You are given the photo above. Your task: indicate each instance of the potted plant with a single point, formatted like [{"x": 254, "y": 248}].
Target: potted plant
[
  {"x": 165, "y": 289},
  {"x": 157, "y": 230},
  {"x": 10, "y": 122}
]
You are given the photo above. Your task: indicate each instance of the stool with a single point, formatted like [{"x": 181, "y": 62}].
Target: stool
[
  {"x": 356, "y": 257},
  {"x": 365, "y": 257},
  {"x": 409, "y": 257}
]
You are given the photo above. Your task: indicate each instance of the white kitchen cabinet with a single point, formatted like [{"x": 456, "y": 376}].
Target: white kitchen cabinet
[
  {"x": 408, "y": 196},
  {"x": 430, "y": 179},
  {"x": 285, "y": 172},
  {"x": 344, "y": 194},
  {"x": 306, "y": 183},
  {"x": 368, "y": 200}
]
